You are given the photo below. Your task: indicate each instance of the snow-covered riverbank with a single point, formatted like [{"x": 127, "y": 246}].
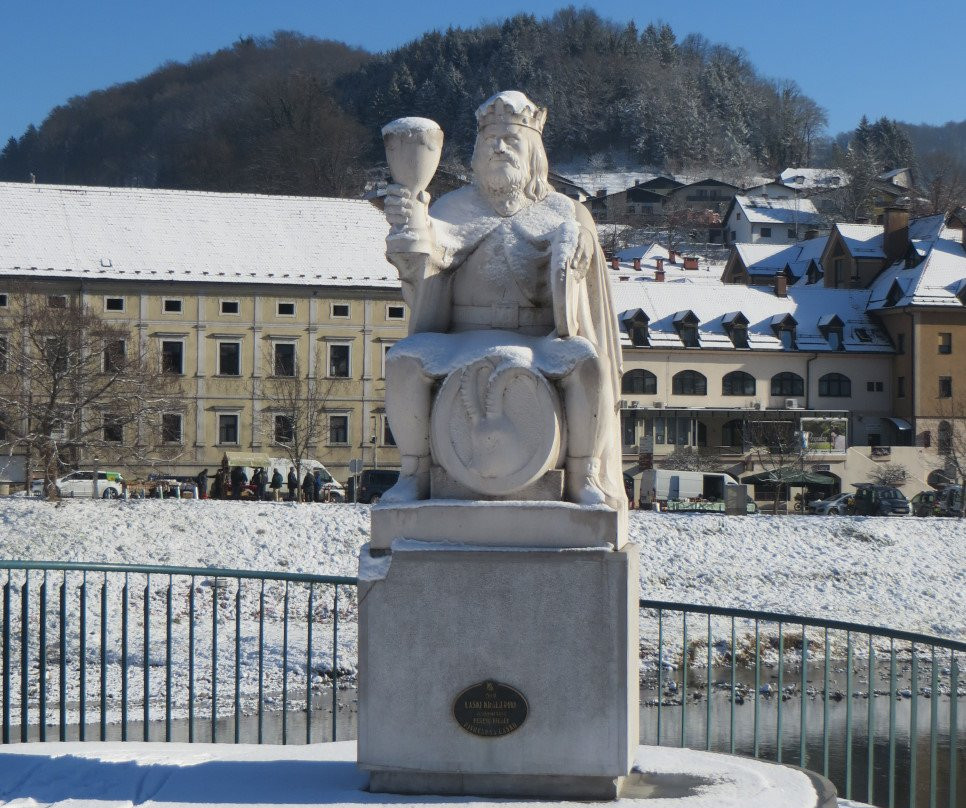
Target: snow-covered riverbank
[{"x": 902, "y": 573}]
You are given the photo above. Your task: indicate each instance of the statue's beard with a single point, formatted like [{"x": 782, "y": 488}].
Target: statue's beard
[{"x": 504, "y": 175}]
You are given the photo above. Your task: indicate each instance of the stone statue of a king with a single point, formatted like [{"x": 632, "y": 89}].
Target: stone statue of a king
[{"x": 512, "y": 366}]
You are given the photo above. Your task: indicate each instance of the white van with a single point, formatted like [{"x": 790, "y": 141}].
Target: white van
[
  {"x": 663, "y": 485},
  {"x": 335, "y": 489},
  {"x": 110, "y": 485}
]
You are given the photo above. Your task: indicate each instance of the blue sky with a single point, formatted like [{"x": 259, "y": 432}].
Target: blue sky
[{"x": 897, "y": 58}]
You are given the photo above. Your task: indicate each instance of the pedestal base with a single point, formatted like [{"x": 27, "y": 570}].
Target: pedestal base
[{"x": 557, "y": 627}]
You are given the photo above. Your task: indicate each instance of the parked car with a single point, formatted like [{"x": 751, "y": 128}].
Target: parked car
[
  {"x": 110, "y": 484},
  {"x": 831, "y": 506},
  {"x": 924, "y": 503},
  {"x": 949, "y": 501},
  {"x": 879, "y": 500},
  {"x": 373, "y": 483}
]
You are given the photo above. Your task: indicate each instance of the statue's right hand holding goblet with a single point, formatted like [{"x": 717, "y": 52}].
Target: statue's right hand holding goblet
[{"x": 408, "y": 213}]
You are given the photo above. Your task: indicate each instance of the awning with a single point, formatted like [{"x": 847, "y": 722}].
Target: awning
[
  {"x": 789, "y": 476},
  {"x": 900, "y": 424},
  {"x": 249, "y": 459}
]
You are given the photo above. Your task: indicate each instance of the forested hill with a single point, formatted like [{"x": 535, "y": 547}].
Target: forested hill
[{"x": 292, "y": 114}]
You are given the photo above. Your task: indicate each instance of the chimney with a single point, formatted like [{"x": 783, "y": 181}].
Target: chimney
[
  {"x": 601, "y": 193},
  {"x": 637, "y": 264},
  {"x": 781, "y": 285},
  {"x": 659, "y": 263},
  {"x": 895, "y": 236},
  {"x": 615, "y": 263},
  {"x": 671, "y": 256},
  {"x": 659, "y": 272},
  {"x": 691, "y": 262},
  {"x": 809, "y": 234}
]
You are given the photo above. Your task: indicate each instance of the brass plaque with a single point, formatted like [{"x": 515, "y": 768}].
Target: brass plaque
[{"x": 490, "y": 709}]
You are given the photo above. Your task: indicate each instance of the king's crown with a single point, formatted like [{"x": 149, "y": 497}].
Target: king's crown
[{"x": 511, "y": 106}]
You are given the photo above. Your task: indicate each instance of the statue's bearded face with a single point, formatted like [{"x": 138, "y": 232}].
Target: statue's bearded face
[{"x": 501, "y": 159}]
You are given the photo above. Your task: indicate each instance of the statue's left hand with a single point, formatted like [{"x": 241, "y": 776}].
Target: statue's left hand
[{"x": 583, "y": 256}]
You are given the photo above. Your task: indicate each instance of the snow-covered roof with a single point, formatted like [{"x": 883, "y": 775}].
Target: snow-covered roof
[
  {"x": 808, "y": 305},
  {"x": 767, "y": 259},
  {"x": 862, "y": 240},
  {"x": 189, "y": 236},
  {"x": 937, "y": 280},
  {"x": 769, "y": 210},
  {"x": 814, "y": 178},
  {"x": 708, "y": 272}
]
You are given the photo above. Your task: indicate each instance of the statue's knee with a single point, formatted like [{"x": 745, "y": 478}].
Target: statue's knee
[{"x": 400, "y": 369}]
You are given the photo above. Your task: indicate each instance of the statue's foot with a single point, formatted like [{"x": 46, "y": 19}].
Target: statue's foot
[
  {"x": 581, "y": 481},
  {"x": 413, "y": 482},
  {"x": 408, "y": 488}
]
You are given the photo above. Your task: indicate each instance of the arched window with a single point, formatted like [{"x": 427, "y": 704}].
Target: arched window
[
  {"x": 944, "y": 442},
  {"x": 835, "y": 385},
  {"x": 787, "y": 384},
  {"x": 738, "y": 383},
  {"x": 639, "y": 383},
  {"x": 689, "y": 383}
]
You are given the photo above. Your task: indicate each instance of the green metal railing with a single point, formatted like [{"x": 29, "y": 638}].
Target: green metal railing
[
  {"x": 155, "y": 613},
  {"x": 88, "y": 646},
  {"x": 719, "y": 629}
]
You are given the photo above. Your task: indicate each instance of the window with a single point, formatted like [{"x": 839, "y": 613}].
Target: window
[
  {"x": 944, "y": 438},
  {"x": 227, "y": 428},
  {"x": 387, "y": 436},
  {"x": 114, "y": 351},
  {"x": 229, "y": 359},
  {"x": 113, "y": 429},
  {"x": 732, "y": 434},
  {"x": 873, "y": 387},
  {"x": 171, "y": 427},
  {"x": 3, "y": 300},
  {"x": 339, "y": 361},
  {"x": 230, "y": 307},
  {"x": 338, "y": 429},
  {"x": 639, "y": 383},
  {"x": 738, "y": 383},
  {"x": 395, "y": 312},
  {"x": 340, "y": 310},
  {"x": 284, "y": 364},
  {"x": 57, "y": 354},
  {"x": 628, "y": 429},
  {"x": 901, "y": 387},
  {"x": 3, "y": 353},
  {"x": 285, "y": 308},
  {"x": 386, "y": 347},
  {"x": 686, "y": 324},
  {"x": 787, "y": 337},
  {"x": 835, "y": 339},
  {"x": 787, "y": 384},
  {"x": 945, "y": 386},
  {"x": 172, "y": 305},
  {"x": 945, "y": 342},
  {"x": 835, "y": 385},
  {"x": 900, "y": 343},
  {"x": 172, "y": 356},
  {"x": 637, "y": 329},
  {"x": 766, "y": 232},
  {"x": 689, "y": 383},
  {"x": 57, "y": 301},
  {"x": 284, "y": 429},
  {"x": 739, "y": 335},
  {"x": 792, "y": 233},
  {"x": 113, "y": 304}
]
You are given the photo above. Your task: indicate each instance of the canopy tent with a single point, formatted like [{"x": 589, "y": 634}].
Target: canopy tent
[
  {"x": 247, "y": 459},
  {"x": 789, "y": 475}
]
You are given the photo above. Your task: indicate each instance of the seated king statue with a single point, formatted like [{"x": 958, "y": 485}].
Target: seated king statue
[{"x": 511, "y": 369}]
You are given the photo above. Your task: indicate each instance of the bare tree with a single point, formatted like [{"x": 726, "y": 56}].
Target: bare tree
[
  {"x": 778, "y": 448},
  {"x": 691, "y": 459},
  {"x": 890, "y": 474},
  {"x": 951, "y": 443},
  {"x": 295, "y": 420},
  {"x": 943, "y": 181},
  {"x": 77, "y": 388}
]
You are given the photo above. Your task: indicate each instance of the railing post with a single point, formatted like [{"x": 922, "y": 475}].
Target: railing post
[
  {"x": 335, "y": 663},
  {"x": 25, "y": 658},
  {"x": 6, "y": 660},
  {"x": 308, "y": 666}
]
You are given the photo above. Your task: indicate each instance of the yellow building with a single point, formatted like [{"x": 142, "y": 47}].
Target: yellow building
[{"x": 232, "y": 291}]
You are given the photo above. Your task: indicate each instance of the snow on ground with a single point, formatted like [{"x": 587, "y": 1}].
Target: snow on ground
[
  {"x": 120, "y": 775},
  {"x": 901, "y": 573}
]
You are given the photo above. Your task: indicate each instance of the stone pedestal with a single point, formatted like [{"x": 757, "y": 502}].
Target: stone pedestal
[{"x": 559, "y": 627}]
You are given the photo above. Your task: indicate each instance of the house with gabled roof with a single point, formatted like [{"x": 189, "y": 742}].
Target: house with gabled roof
[{"x": 764, "y": 219}]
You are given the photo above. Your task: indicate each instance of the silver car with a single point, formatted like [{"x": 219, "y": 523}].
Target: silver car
[{"x": 833, "y": 506}]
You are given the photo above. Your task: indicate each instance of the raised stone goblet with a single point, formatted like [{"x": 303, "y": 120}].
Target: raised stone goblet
[{"x": 413, "y": 149}]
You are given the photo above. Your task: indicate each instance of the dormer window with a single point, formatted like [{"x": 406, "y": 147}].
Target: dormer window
[
  {"x": 785, "y": 327},
  {"x": 636, "y": 325},
  {"x": 833, "y": 329},
  {"x": 813, "y": 274},
  {"x": 736, "y": 326},
  {"x": 686, "y": 324},
  {"x": 895, "y": 294}
]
